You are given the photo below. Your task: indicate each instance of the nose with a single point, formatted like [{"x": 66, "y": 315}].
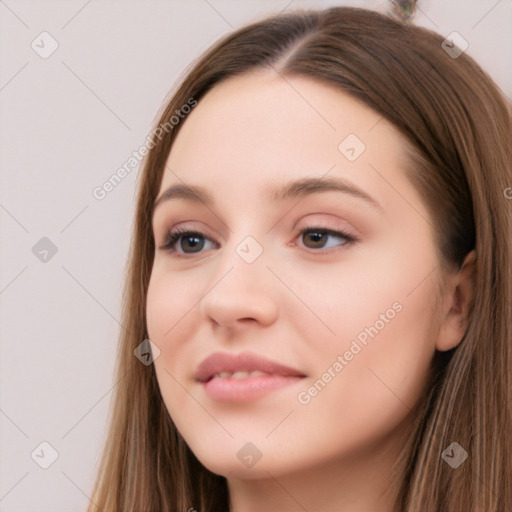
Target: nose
[{"x": 240, "y": 293}]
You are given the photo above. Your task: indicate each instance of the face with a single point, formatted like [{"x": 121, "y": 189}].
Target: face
[{"x": 324, "y": 290}]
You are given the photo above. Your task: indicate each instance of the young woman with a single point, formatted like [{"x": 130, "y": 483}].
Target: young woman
[{"x": 322, "y": 262}]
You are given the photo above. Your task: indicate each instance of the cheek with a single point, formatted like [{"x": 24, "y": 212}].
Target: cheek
[
  {"x": 344, "y": 301},
  {"x": 169, "y": 302},
  {"x": 168, "y": 316},
  {"x": 378, "y": 381},
  {"x": 161, "y": 306},
  {"x": 171, "y": 321},
  {"x": 380, "y": 313}
]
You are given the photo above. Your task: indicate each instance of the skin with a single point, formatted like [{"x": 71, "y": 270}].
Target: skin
[{"x": 296, "y": 304}]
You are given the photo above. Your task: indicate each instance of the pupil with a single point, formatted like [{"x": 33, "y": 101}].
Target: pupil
[
  {"x": 316, "y": 237},
  {"x": 194, "y": 242}
]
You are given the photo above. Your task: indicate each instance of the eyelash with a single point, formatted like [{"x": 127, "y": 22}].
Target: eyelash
[{"x": 174, "y": 236}]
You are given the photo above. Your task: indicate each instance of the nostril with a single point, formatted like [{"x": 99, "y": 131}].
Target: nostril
[{"x": 247, "y": 320}]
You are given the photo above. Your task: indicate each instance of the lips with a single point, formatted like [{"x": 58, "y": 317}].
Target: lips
[
  {"x": 245, "y": 377},
  {"x": 242, "y": 365}
]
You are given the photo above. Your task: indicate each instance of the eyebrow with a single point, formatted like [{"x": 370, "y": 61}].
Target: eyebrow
[{"x": 294, "y": 189}]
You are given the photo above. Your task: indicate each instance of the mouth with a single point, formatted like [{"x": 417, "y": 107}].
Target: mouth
[{"x": 243, "y": 377}]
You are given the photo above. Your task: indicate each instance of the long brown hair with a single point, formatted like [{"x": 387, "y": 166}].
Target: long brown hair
[{"x": 458, "y": 124}]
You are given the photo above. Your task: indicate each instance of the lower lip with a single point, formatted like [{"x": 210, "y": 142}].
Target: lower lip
[{"x": 248, "y": 389}]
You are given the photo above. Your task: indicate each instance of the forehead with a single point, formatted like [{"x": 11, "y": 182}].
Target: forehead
[
  {"x": 253, "y": 132},
  {"x": 263, "y": 110}
]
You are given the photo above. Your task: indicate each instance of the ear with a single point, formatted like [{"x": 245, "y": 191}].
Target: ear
[{"x": 457, "y": 303}]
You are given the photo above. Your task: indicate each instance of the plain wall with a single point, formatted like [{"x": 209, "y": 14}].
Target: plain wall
[{"x": 67, "y": 123}]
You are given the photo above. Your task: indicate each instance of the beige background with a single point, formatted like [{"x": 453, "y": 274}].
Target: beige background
[{"x": 67, "y": 123}]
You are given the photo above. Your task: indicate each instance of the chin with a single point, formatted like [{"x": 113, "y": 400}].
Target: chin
[
  {"x": 234, "y": 461},
  {"x": 230, "y": 468}
]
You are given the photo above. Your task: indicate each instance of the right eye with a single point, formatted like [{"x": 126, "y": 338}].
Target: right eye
[{"x": 184, "y": 241}]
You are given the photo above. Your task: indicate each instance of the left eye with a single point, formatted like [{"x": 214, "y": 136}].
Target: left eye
[{"x": 317, "y": 238}]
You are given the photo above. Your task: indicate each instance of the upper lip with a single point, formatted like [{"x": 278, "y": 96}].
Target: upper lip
[{"x": 219, "y": 362}]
